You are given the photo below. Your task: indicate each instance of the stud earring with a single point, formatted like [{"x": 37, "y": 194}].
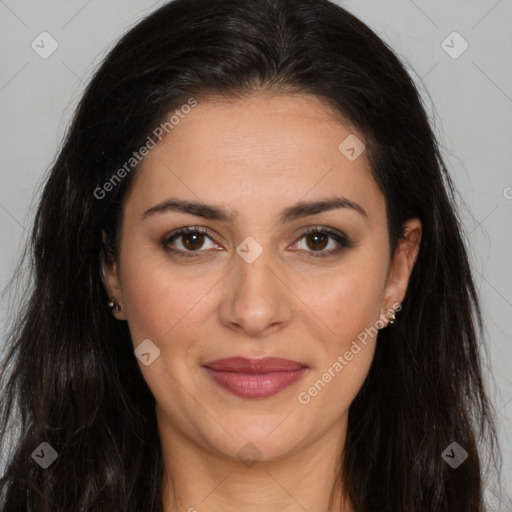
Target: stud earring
[
  {"x": 114, "y": 306},
  {"x": 391, "y": 315}
]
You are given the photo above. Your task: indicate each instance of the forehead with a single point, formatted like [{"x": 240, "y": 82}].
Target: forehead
[
  {"x": 257, "y": 151},
  {"x": 261, "y": 129}
]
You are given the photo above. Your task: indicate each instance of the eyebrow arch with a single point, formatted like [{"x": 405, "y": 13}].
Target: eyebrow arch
[{"x": 296, "y": 211}]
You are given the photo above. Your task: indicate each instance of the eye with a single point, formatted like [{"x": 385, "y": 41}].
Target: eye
[
  {"x": 318, "y": 239},
  {"x": 188, "y": 240}
]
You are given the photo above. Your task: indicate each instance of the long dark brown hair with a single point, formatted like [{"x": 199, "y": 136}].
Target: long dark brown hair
[{"x": 70, "y": 377}]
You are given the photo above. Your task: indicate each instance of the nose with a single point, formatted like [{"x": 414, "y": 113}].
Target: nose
[{"x": 257, "y": 300}]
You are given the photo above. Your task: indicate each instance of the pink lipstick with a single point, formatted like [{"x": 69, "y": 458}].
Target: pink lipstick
[{"x": 255, "y": 378}]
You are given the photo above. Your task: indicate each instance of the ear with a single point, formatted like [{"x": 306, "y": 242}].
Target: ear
[
  {"x": 110, "y": 278},
  {"x": 401, "y": 266}
]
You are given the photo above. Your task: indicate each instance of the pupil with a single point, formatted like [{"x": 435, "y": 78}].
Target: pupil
[
  {"x": 317, "y": 238},
  {"x": 193, "y": 240}
]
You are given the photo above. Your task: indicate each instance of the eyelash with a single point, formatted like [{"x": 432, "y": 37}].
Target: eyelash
[{"x": 343, "y": 241}]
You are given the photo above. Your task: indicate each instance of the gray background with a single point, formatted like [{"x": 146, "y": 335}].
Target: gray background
[{"x": 469, "y": 99}]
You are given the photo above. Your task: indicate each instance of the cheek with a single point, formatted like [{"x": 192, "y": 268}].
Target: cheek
[
  {"x": 158, "y": 303},
  {"x": 348, "y": 301},
  {"x": 164, "y": 307},
  {"x": 327, "y": 396},
  {"x": 351, "y": 309},
  {"x": 347, "y": 356}
]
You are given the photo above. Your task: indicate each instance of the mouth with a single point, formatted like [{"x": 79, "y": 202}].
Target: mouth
[{"x": 255, "y": 378}]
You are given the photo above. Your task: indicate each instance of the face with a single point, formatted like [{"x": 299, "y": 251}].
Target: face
[{"x": 285, "y": 255}]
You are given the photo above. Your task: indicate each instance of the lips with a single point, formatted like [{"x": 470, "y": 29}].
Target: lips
[{"x": 255, "y": 378}]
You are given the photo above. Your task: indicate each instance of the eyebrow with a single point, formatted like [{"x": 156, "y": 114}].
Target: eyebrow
[{"x": 296, "y": 211}]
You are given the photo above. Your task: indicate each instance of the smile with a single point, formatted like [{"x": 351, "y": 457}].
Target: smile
[{"x": 255, "y": 378}]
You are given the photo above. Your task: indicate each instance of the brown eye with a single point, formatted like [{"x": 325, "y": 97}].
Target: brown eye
[
  {"x": 323, "y": 242},
  {"x": 317, "y": 241},
  {"x": 192, "y": 241}
]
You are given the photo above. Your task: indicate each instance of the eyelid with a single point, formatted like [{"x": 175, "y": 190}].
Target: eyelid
[
  {"x": 189, "y": 229},
  {"x": 338, "y": 236},
  {"x": 343, "y": 241}
]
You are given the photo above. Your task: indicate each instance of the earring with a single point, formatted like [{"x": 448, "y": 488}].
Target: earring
[
  {"x": 391, "y": 316},
  {"x": 114, "y": 306}
]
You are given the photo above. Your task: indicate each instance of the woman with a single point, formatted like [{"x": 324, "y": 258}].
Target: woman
[{"x": 250, "y": 286}]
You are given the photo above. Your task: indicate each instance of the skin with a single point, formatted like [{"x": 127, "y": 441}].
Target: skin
[{"x": 255, "y": 157}]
